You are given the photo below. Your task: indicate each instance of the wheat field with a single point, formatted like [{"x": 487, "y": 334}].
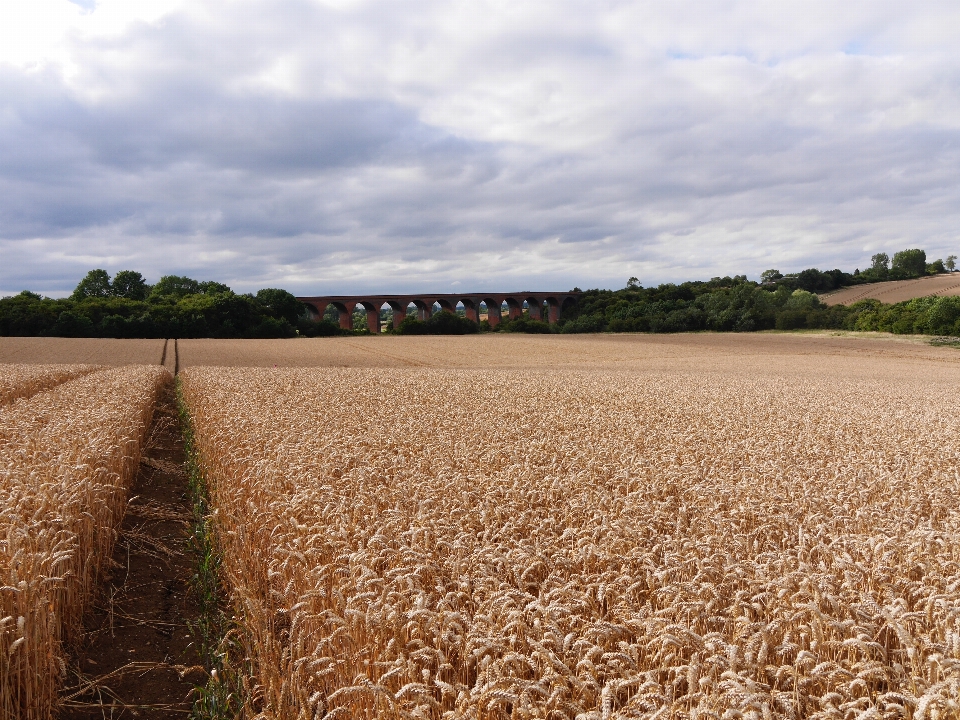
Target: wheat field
[
  {"x": 590, "y": 543},
  {"x": 91, "y": 351},
  {"x": 67, "y": 456},
  {"x": 22, "y": 381},
  {"x": 894, "y": 291}
]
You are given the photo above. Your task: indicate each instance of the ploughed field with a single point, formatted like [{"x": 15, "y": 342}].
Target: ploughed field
[
  {"x": 508, "y": 527},
  {"x": 551, "y": 542}
]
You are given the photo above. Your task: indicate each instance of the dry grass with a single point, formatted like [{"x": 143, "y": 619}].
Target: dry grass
[
  {"x": 22, "y": 381},
  {"x": 66, "y": 458},
  {"x": 594, "y": 545}
]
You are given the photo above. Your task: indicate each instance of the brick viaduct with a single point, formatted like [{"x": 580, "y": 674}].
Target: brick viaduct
[{"x": 555, "y": 303}]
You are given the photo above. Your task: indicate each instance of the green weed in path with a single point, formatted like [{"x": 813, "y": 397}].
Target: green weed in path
[{"x": 214, "y": 631}]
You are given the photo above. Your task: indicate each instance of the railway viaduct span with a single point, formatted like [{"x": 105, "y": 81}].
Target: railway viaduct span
[{"x": 540, "y": 305}]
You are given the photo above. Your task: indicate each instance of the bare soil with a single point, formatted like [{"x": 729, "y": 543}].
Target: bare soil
[{"x": 136, "y": 657}]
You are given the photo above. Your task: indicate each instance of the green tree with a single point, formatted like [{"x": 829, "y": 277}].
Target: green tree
[
  {"x": 212, "y": 287},
  {"x": 912, "y": 262},
  {"x": 633, "y": 283},
  {"x": 820, "y": 281},
  {"x": 769, "y": 276},
  {"x": 880, "y": 262},
  {"x": 95, "y": 283},
  {"x": 129, "y": 284},
  {"x": 73, "y": 325},
  {"x": 951, "y": 263},
  {"x": 802, "y": 300},
  {"x": 175, "y": 286},
  {"x": 282, "y": 304}
]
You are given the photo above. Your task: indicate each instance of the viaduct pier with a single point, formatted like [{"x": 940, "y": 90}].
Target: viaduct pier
[{"x": 540, "y": 305}]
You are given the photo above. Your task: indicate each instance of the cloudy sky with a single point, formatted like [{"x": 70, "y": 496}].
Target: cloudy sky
[{"x": 349, "y": 146}]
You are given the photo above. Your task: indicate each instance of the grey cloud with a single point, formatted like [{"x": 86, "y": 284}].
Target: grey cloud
[
  {"x": 200, "y": 124},
  {"x": 187, "y": 161},
  {"x": 167, "y": 153}
]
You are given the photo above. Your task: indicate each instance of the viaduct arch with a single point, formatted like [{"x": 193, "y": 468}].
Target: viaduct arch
[{"x": 540, "y": 305}]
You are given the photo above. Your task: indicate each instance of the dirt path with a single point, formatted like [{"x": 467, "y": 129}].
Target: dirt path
[{"x": 135, "y": 657}]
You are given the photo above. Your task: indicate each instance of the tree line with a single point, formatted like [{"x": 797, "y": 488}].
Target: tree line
[
  {"x": 126, "y": 306},
  {"x": 778, "y": 301},
  {"x": 906, "y": 265},
  {"x": 738, "y": 305}
]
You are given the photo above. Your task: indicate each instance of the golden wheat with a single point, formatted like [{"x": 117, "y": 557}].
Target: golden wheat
[
  {"x": 593, "y": 545},
  {"x": 94, "y": 351},
  {"x": 67, "y": 457},
  {"x": 22, "y": 381}
]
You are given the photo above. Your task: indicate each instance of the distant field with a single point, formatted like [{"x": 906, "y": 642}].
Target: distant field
[
  {"x": 762, "y": 353},
  {"x": 897, "y": 290},
  {"x": 89, "y": 351},
  {"x": 690, "y": 352}
]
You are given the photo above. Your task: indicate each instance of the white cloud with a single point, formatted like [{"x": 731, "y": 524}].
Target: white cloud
[{"x": 344, "y": 146}]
